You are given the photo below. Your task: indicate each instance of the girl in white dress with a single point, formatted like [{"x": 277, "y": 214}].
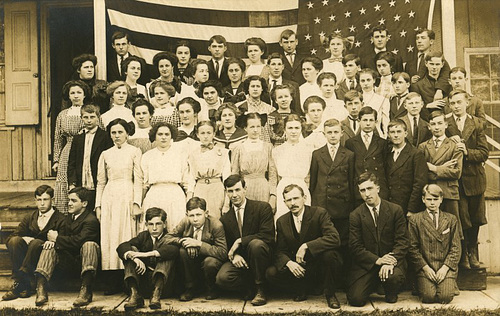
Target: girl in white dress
[
  {"x": 132, "y": 68},
  {"x": 167, "y": 181},
  {"x": 119, "y": 92},
  {"x": 292, "y": 160},
  {"x": 311, "y": 67},
  {"x": 119, "y": 193}
]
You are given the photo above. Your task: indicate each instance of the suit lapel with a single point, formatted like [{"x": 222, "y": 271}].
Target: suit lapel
[
  {"x": 97, "y": 140},
  {"x": 339, "y": 157},
  {"x": 383, "y": 218},
  {"x": 247, "y": 219},
  {"x": 233, "y": 222},
  {"x": 443, "y": 149},
  {"x": 361, "y": 148},
  {"x": 429, "y": 225},
  {"x": 368, "y": 219},
  {"x": 468, "y": 128},
  {"x": 346, "y": 124},
  {"x": 306, "y": 222},
  {"x": 403, "y": 157},
  {"x": 325, "y": 155},
  {"x": 422, "y": 130}
]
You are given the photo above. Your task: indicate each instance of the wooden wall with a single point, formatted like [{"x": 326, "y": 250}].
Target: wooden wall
[{"x": 21, "y": 149}]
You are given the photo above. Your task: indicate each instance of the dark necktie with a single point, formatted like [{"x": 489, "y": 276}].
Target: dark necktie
[
  {"x": 120, "y": 65},
  {"x": 375, "y": 215},
  {"x": 273, "y": 85},
  {"x": 420, "y": 63},
  {"x": 217, "y": 67},
  {"x": 415, "y": 131},
  {"x": 238, "y": 218}
]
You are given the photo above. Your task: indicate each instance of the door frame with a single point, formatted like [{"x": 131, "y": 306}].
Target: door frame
[{"x": 45, "y": 75}]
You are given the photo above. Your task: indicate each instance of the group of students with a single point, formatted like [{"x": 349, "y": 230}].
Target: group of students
[{"x": 325, "y": 141}]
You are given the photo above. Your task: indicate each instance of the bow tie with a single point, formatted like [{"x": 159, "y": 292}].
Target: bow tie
[{"x": 206, "y": 147}]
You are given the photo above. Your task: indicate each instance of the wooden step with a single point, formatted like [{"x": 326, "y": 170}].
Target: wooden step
[
  {"x": 7, "y": 229},
  {"x": 5, "y": 262}
]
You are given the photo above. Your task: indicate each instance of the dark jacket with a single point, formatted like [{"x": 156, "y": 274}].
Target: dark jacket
[
  {"x": 29, "y": 226},
  {"x": 85, "y": 228}
]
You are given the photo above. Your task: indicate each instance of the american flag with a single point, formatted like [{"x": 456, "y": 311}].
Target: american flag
[
  {"x": 156, "y": 25},
  {"x": 355, "y": 18}
]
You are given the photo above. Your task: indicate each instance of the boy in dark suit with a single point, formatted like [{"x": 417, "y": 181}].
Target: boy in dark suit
[
  {"x": 378, "y": 240},
  {"x": 121, "y": 44},
  {"x": 444, "y": 162},
  {"x": 401, "y": 84},
  {"x": 352, "y": 64},
  {"x": 406, "y": 170},
  {"x": 434, "y": 248},
  {"x": 148, "y": 259},
  {"x": 288, "y": 42},
  {"x": 85, "y": 151},
  {"x": 468, "y": 133},
  {"x": 369, "y": 151},
  {"x": 217, "y": 65},
  {"x": 379, "y": 38},
  {"x": 26, "y": 243},
  {"x": 332, "y": 179},
  {"x": 306, "y": 244},
  {"x": 249, "y": 227},
  {"x": 418, "y": 129},
  {"x": 78, "y": 246},
  {"x": 202, "y": 248},
  {"x": 353, "y": 102}
]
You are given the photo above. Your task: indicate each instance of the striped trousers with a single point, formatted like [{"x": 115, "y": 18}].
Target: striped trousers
[
  {"x": 430, "y": 292},
  {"x": 89, "y": 254}
]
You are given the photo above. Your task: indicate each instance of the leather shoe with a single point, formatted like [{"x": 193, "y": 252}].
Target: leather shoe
[
  {"x": 187, "y": 296},
  {"x": 260, "y": 298},
  {"x": 300, "y": 297},
  {"x": 134, "y": 303},
  {"x": 15, "y": 291},
  {"x": 332, "y": 301},
  {"x": 391, "y": 298},
  {"x": 212, "y": 294}
]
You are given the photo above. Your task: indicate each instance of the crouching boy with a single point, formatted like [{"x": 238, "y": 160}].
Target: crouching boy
[
  {"x": 202, "y": 250},
  {"x": 77, "y": 246},
  {"x": 435, "y": 248},
  {"x": 148, "y": 259}
]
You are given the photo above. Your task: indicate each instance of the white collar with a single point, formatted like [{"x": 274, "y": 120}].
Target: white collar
[
  {"x": 46, "y": 214},
  {"x": 399, "y": 150},
  {"x": 299, "y": 218}
]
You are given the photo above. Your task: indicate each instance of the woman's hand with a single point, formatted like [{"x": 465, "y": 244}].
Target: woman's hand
[{"x": 55, "y": 166}]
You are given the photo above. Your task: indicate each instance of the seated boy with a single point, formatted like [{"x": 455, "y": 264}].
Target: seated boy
[
  {"x": 434, "y": 248},
  {"x": 148, "y": 259},
  {"x": 26, "y": 243},
  {"x": 77, "y": 247},
  {"x": 401, "y": 85},
  {"x": 203, "y": 248},
  {"x": 334, "y": 107}
]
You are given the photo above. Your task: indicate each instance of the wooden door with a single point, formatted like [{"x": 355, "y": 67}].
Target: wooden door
[{"x": 21, "y": 63}]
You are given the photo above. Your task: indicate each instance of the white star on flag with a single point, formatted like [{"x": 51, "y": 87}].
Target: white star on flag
[
  {"x": 325, "y": 2},
  {"x": 397, "y": 17},
  {"x": 367, "y": 25},
  {"x": 332, "y": 18},
  {"x": 409, "y": 48},
  {"x": 381, "y": 21},
  {"x": 341, "y": 1},
  {"x": 407, "y": 1},
  {"x": 337, "y": 31},
  {"x": 317, "y": 20},
  {"x": 392, "y": 3},
  {"x": 411, "y": 14},
  {"x": 310, "y": 5},
  {"x": 313, "y": 51},
  {"x": 322, "y": 34},
  {"x": 395, "y": 51},
  {"x": 308, "y": 37},
  {"x": 402, "y": 33},
  {"x": 352, "y": 28},
  {"x": 362, "y": 11},
  {"x": 347, "y": 14},
  {"x": 357, "y": 44},
  {"x": 377, "y": 7}
]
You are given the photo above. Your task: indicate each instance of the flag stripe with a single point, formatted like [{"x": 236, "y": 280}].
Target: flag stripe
[
  {"x": 196, "y": 16},
  {"x": 230, "y": 5},
  {"x": 194, "y": 31}
]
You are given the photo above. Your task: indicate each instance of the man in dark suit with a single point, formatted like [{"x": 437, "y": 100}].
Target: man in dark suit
[
  {"x": 401, "y": 84},
  {"x": 26, "y": 243},
  {"x": 468, "y": 133},
  {"x": 406, "y": 170},
  {"x": 418, "y": 129},
  {"x": 378, "y": 239},
  {"x": 306, "y": 244},
  {"x": 332, "y": 179},
  {"x": 352, "y": 65},
  {"x": 379, "y": 37},
  {"x": 218, "y": 64},
  {"x": 202, "y": 248},
  {"x": 293, "y": 71},
  {"x": 276, "y": 63},
  {"x": 77, "y": 247},
  {"x": 121, "y": 44},
  {"x": 85, "y": 151},
  {"x": 434, "y": 248},
  {"x": 416, "y": 67},
  {"x": 148, "y": 258},
  {"x": 369, "y": 151},
  {"x": 249, "y": 227}
]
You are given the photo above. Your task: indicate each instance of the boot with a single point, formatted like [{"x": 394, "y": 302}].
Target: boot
[
  {"x": 41, "y": 291},
  {"x": 260, "y": 298},
  {"x": 85, "y": 296},
  {"x": 135, "y": 301},
  {"x": 464, "y": 259},
  {"x": 474, "y": 257},
  {"x": 155, "y": 303}
]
